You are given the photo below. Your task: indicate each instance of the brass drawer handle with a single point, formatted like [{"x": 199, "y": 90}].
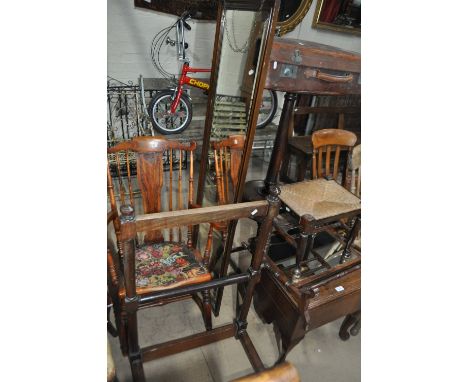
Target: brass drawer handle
[{"x": 314, "y": 73}]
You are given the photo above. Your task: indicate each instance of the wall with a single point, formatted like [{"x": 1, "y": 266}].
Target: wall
[
  {"x": 232, "y": 64},
  {"x": 130, "y": 31}
]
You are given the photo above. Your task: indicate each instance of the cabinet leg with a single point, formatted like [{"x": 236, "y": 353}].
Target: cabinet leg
[{"x": 352, "y": 320}]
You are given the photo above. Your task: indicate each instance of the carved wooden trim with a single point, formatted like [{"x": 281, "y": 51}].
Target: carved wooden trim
[
  {"x": 283, "y": 27},
  {"x": 151, "y": 144}
]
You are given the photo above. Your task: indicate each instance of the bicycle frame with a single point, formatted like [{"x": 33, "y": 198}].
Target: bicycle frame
[
  {"x": 187, "y": 80},
  {"x": 176, "y": 89}
]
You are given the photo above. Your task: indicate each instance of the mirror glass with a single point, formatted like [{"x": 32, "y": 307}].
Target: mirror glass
[
  {"x": 241, "y": 45},
  {"x": 243, "y": 34}
]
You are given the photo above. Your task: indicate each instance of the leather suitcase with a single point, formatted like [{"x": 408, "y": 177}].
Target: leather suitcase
[{"x": 299, "y": 66}]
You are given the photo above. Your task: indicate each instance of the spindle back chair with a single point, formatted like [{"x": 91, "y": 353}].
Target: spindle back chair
[
  {"x": 149, "y": 178},
  {"x": 324, "y": 142},
  {"x": 227, "y": 157}
]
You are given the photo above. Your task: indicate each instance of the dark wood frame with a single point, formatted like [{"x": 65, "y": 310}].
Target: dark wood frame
[{"x": 272, "y": 7}]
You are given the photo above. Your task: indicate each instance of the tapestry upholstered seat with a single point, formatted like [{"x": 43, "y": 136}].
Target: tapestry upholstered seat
[{"x": 168, "y": 265}]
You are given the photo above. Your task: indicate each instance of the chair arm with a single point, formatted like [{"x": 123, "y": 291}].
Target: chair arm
[{"x": 162, "y": 220}]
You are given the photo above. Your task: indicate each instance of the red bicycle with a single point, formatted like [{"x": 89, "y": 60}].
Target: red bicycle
[{"x": 170, "y": 110}]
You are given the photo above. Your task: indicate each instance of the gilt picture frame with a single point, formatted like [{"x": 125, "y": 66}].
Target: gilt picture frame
[
  {"x": 291, "y": 13},
  {"x": 338, "y": 15}
]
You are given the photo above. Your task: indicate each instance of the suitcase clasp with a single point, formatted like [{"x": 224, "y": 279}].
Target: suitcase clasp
[{"x": 297, "y": 58}]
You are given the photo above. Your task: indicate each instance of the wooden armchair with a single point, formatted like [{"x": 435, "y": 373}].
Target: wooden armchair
[
  {"x": 135, "y": 296},
  {"x": 148, "y": 173}
]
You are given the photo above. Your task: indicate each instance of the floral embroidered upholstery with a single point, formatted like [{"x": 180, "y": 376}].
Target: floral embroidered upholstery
[{"x": 167, "y": 265}]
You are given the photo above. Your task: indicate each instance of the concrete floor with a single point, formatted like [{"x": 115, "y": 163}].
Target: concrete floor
[{"x": 321, "y": 356}]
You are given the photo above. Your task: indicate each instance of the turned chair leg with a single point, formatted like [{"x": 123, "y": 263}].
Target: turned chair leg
[
  {"x": 120, "y": 328},
  {"x": 207, "y": 309},
  {"x": 123, "y": 333},
  {"x": 134, "y": 352}
]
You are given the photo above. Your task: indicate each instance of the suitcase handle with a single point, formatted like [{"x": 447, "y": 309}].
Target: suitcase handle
[{"x": 315, "y": 73}]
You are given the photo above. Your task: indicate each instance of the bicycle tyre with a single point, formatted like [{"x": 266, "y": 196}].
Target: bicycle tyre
[
  {"x": 263, "y": 122},
  {"x": 162, "y": 121}
]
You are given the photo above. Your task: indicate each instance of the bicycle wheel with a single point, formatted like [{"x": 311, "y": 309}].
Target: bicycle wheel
[
  {"x": 267, "y": 109},
  {"x": 162, "y": 119}
]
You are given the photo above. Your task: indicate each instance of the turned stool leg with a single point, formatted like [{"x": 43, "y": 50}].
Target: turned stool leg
[
  {"x": 349, "y": 241},
  {"x": 300, "y": 254},
  {"x": 306, "y": 242}
]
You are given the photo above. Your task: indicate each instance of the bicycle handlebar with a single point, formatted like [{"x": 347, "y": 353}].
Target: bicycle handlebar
[{"x": 183, "y": 18}]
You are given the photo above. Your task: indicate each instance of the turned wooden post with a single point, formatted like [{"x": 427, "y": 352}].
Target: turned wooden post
[
  {"x": 261, "y": 249},
  {"x": 281, "y": 142},
  {"x": 350, "y": 239},
  {"x": 128, "y": 238}
]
